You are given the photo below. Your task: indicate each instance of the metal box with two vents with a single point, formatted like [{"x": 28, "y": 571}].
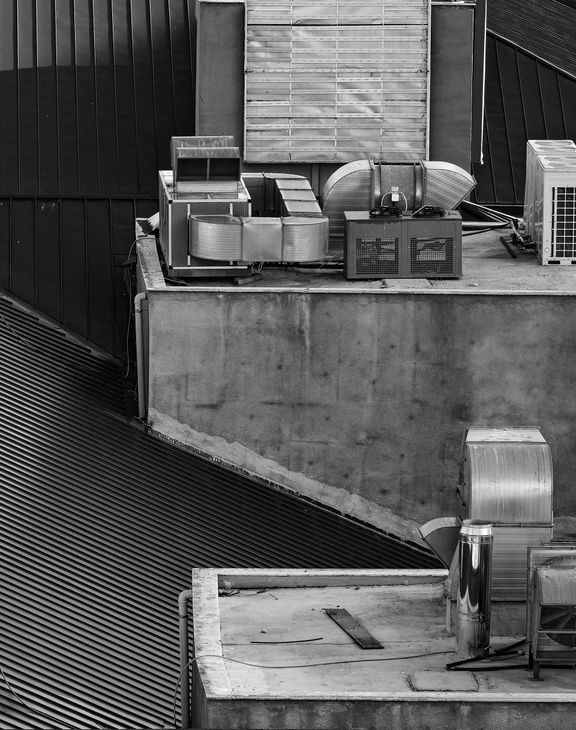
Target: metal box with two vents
[{"x": 406, "y": 247}]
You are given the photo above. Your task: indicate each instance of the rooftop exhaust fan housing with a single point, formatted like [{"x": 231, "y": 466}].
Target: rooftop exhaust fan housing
[
  {"x": 506, "y": 479},
  {"x": 551, "y": 606}
]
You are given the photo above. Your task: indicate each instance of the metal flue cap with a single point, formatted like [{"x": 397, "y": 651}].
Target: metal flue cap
[{"x": 476, "y": 527}]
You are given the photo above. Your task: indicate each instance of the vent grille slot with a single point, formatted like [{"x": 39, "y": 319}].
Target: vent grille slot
[
  {"x": 431, "y": 255},
  {"x": 564, "y": 222},
  {"x": 377, "y": 255}
]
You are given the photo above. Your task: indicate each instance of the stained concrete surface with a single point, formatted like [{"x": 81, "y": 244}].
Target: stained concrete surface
[
  {"x": 359, "y": 392},
  {"x": 311, "y": 668}
]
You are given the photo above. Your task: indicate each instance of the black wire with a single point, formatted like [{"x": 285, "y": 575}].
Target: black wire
[
  {"x": 485, "y": 230},
  {"x": 296, "y": 666},
  {"x": 37, "y": 711}
]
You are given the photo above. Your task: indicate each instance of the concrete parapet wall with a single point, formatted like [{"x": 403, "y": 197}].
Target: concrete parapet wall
[{"x": 362, "y": 394}]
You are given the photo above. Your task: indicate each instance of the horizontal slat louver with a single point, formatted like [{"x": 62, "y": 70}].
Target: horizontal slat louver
[{"x": 336, "y": 81}]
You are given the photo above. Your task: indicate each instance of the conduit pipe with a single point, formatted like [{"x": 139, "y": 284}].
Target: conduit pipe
[
  {"x": 183, "y": 600},
  {"x": 139, "y": 299}
]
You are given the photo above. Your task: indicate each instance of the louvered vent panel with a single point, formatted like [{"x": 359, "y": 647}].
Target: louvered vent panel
[{"x": 336, "y": 81}]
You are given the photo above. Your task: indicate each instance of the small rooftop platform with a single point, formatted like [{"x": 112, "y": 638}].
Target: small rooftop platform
[
  {"x": 488, "y": 268},
  {"x": 309, "y": 673}
]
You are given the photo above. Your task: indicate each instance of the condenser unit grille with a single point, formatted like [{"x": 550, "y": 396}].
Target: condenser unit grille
[
  {"x": 376, "y": 255},
  {"x": 431, "y": 255},
  {"x": 564, "y": 222}
]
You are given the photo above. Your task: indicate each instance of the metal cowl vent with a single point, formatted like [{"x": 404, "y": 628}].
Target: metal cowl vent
[
  {"x": 364, "y": 184},
  {"x": 551, "y": 606},
  {"x": 553, "y": 616},
  {"x": 506, "y": 479}
]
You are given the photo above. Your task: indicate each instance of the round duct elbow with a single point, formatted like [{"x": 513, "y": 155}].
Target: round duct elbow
[
  {"x": 364, "y": 184},
  {"x": 228, "y": 238}
]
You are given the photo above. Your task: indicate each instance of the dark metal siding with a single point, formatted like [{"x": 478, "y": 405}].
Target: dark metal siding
[
  {"x": 100, "y": 527},
  {"x": 92, "y": 91},
  {"x": 525, "y": 99},
  {"x": 544, "y": 28}
]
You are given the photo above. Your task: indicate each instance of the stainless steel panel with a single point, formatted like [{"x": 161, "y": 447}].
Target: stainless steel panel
[
  {"x": 509, "y": 559},
  {"x": 301, "y": 208},
  {"x": 442, "y": 534},
  {"x": 504, "y": 435},
  {"x": 509, "y": 483},
  {"x": 332, "y": 81},
  {"x": 445, "y": 185},
  {"x": 178, "y": 144},
  {"x": 176, "y": 208},
  {"x": 216, "y": 237},
  {"x": 304, "y": 239},
  {"x": 224, "y": 238},
  {"x": 474, "y": 590},
  {"x": 262, "y": 239},
  {"x": 544, "y": 555},
  {"x": 349, "y": 188}
]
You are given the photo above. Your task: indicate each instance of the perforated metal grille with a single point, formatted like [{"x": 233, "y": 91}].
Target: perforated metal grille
[
  {"x": 564, "y": 222},
  {"x": 431, "y": 255},
  {"x": 376, "y": 255}
]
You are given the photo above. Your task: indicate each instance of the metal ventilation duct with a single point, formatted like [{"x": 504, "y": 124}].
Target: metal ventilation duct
[
  {"x": 364, "y": 184},
  {"x": 507, "y": 480},
  {"x": 229, "y": 238},
  {"x": 444, "y": 184}
]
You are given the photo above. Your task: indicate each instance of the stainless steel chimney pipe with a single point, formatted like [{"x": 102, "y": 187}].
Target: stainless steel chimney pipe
[{"x": 473, "y": 604}]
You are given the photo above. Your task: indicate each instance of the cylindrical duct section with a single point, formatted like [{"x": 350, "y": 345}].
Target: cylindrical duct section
[
  {"x": 216, "y": 237},
  {"x": 304, "y": 239},
  {"x": 474, "y": 593}
]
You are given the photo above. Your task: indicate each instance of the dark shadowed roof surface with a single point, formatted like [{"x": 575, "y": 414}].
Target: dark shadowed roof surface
[
  {"x": 544, "y": 28},
  {"x": 100, "y": 526}
]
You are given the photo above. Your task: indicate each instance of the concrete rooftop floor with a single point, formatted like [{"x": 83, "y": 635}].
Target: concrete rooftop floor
[
  {"x": 276, "y": 621},
  {"x": 409, "y": 620},
  {"x": 487, "y": 268}
]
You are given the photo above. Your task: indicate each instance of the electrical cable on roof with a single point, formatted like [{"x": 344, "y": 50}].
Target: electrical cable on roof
[
  {"x": 127, "y": 263},
  {"x": 295, "y": 666},
  {"x": 16, "y": 335},
  {"x": 37, "y": 711}
]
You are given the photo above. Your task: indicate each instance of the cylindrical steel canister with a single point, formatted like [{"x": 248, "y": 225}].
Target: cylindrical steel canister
[{"x": 474, "y": 593}]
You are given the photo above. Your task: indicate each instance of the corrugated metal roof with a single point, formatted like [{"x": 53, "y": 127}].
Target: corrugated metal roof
[
  {"x": 544, "y": 28},
  {"x": 101, "y": 524}
]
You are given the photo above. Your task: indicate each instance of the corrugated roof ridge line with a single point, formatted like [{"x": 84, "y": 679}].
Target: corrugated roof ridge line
[
  {"x": 103, "y": 523},
  {"x": 23, "y": 312},
  {"x": 237, "y": 471}
]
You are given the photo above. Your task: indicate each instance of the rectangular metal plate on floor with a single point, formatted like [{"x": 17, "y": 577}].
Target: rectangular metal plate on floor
[{"x": 354, "y": 628}]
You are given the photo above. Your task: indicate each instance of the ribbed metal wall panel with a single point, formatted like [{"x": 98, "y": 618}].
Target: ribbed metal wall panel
[
  {"x": 99, "y": 529},
  {"x": 92, "y": 91},
  {"x": 525, "y": 99},
  {"x": 544, "y": 28}
]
